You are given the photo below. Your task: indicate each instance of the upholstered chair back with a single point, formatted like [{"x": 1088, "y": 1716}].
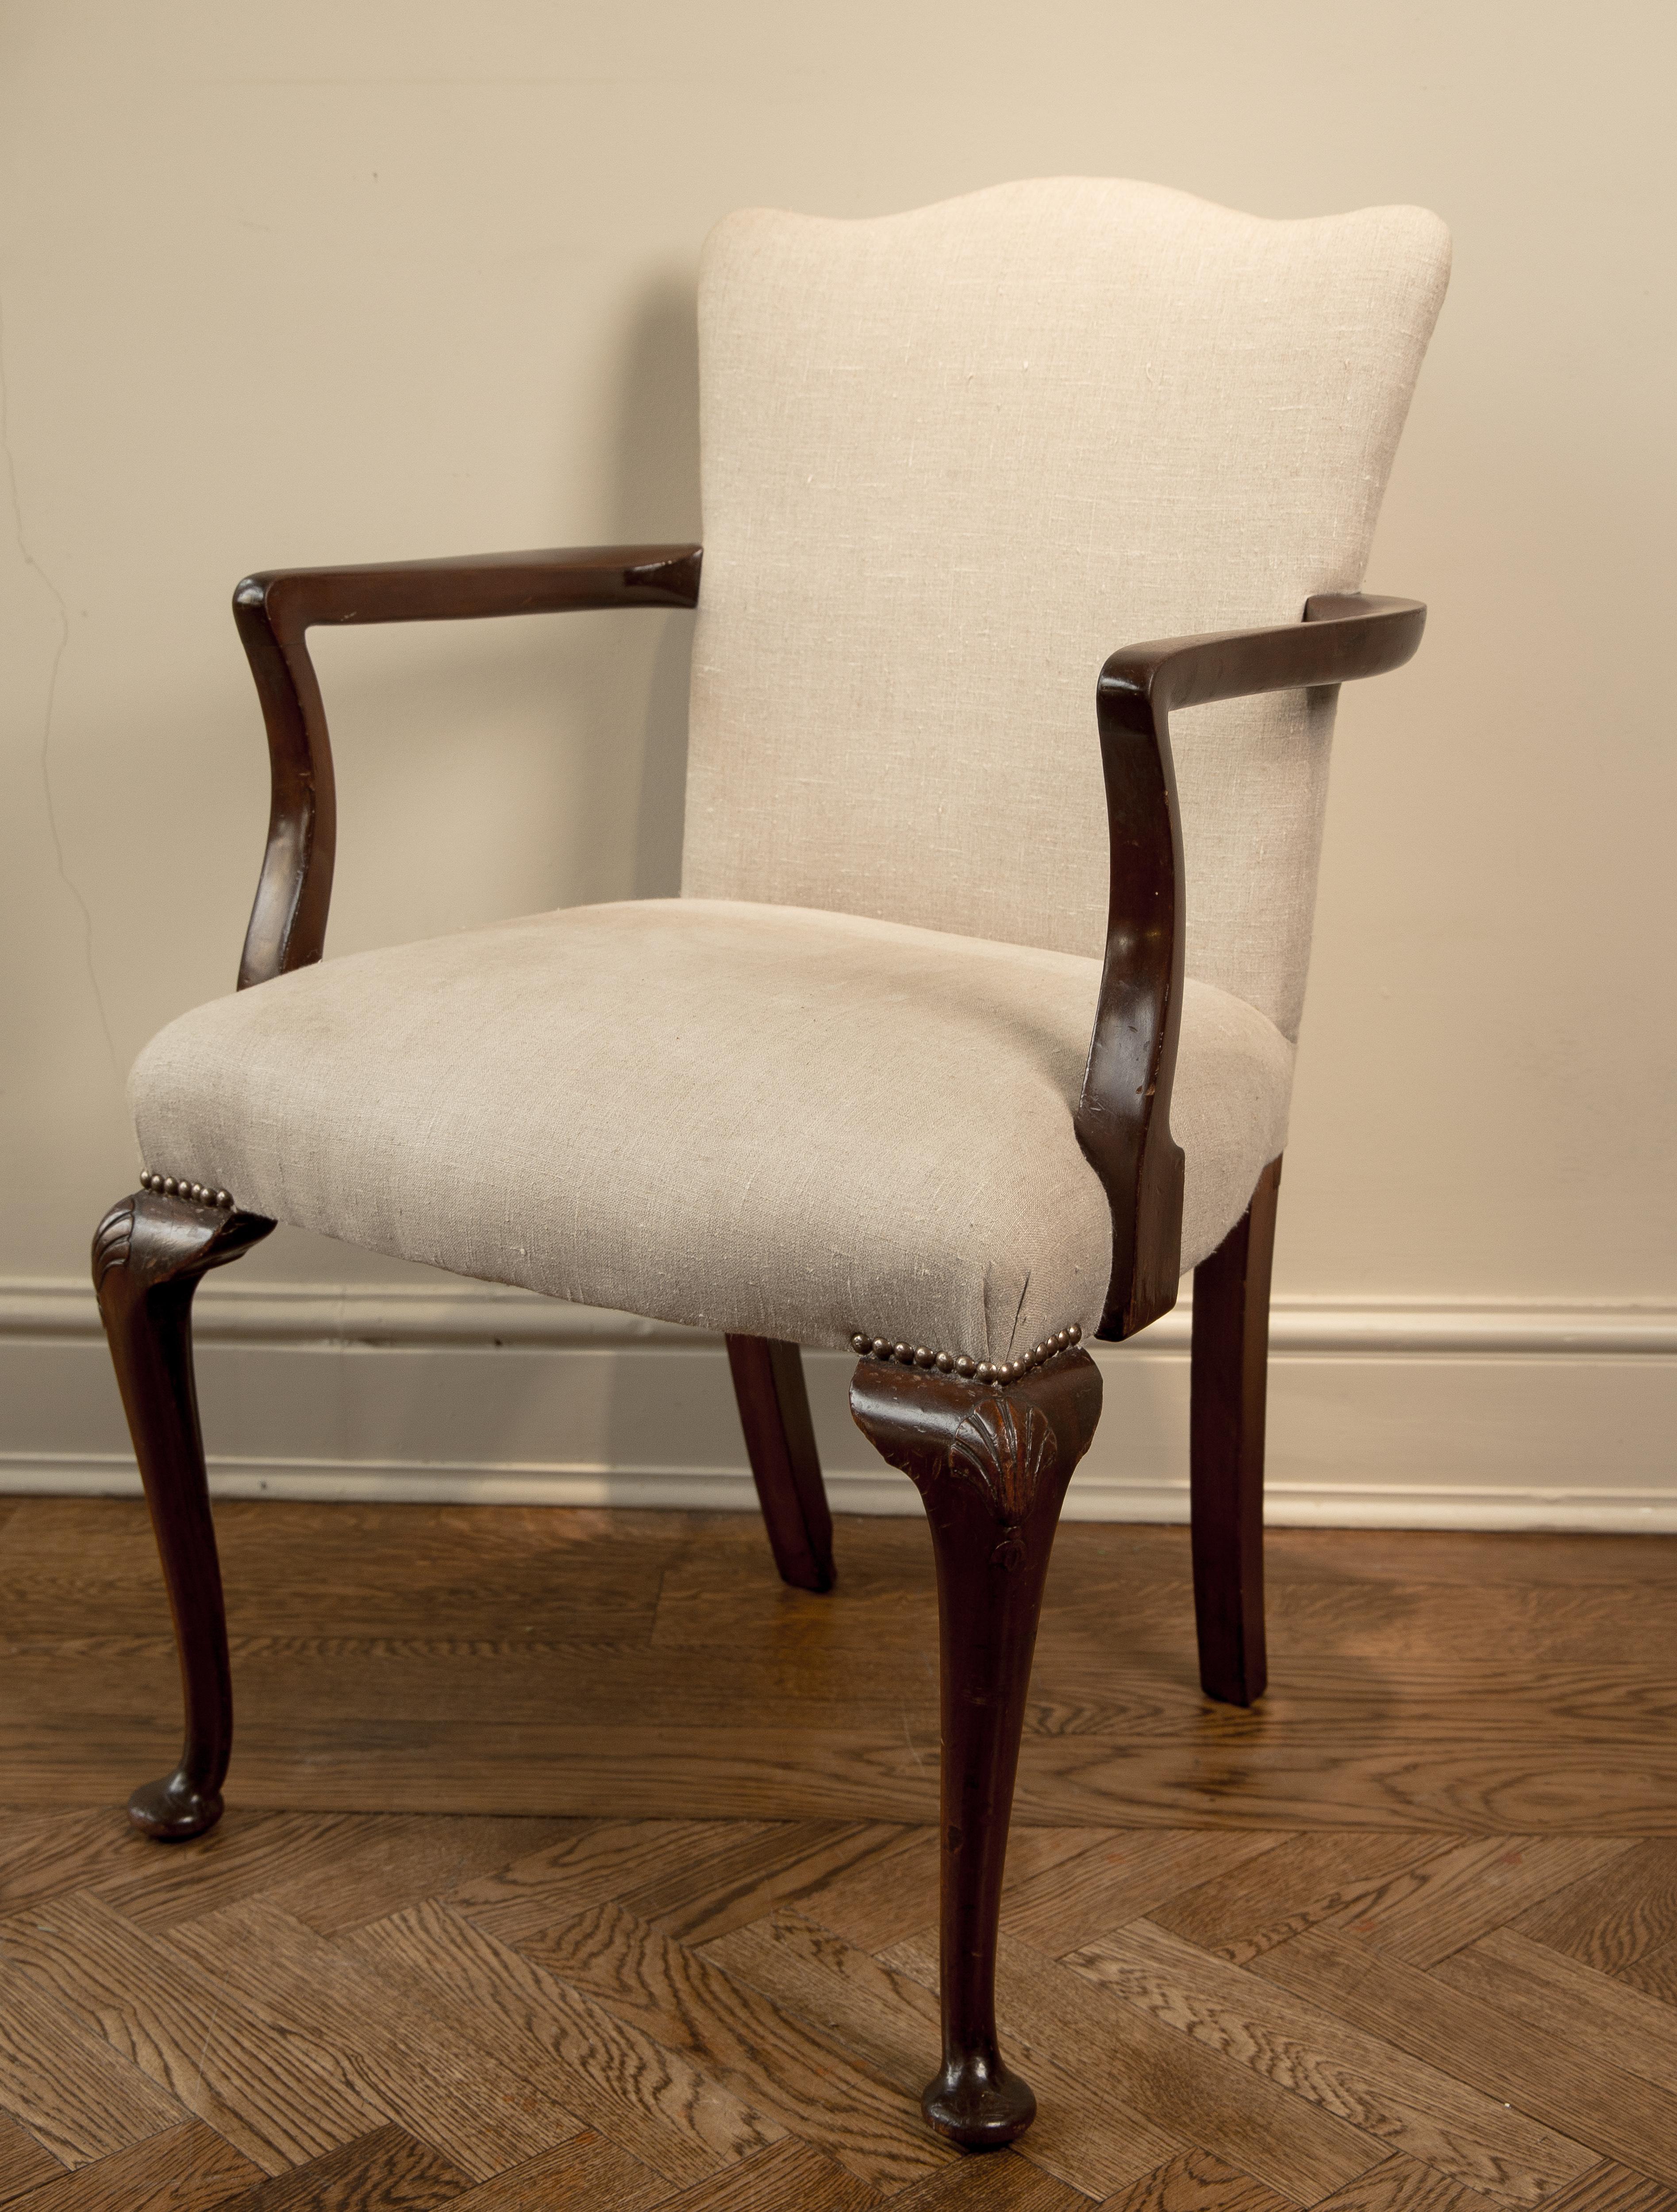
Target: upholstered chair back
[{"x": 951, "y": 460}]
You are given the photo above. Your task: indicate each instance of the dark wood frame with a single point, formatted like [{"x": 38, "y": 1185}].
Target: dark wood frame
[
  {"x": 1123, "y": 1117},
  {"x": 991, "y": 1458},
  {"x": 275, "y": 610}
]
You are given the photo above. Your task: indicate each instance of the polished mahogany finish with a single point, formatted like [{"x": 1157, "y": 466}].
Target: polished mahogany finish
[
  {"x": 274, "y": 611},
  {"x": 149, "y": 1253},
  {"x": 1229, "y": 1371},
  {"x": 150, "y": 1250},
  {"x": 780, "y": 1443},
  {"x": 991, "y": 1461},
  {"x": 1123, "y": 1116},
  {"x": 992, "y": 1465}
]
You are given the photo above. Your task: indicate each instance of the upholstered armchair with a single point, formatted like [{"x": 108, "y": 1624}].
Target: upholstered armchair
[{"x": 972, "y": 1027}]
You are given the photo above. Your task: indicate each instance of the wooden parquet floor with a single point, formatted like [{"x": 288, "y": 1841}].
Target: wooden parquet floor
[{"x": 573, "y": 1862}]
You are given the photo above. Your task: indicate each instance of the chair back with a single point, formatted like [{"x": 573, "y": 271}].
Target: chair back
[{"x": 951, "y": 460}]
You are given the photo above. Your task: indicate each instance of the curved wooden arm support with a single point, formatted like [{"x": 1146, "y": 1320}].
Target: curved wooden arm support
[
  {"x": 1123, "y": 1116},
  {"x": 287, "y": 926}
]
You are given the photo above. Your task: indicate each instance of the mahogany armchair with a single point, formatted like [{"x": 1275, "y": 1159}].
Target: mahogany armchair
[{"x": 866, "y": 1082}]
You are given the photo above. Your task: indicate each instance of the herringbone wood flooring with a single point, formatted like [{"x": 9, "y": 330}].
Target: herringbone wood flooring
[{"x": 571, "y": 1861}]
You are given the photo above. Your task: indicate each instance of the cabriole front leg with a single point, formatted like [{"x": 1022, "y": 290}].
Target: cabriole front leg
[
  {"x": 992, "y": 1462},
  {"x": 148, "y": 1255}
]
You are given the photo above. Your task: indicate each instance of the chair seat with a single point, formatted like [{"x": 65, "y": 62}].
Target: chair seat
[{"x": 772, "y": 1120}]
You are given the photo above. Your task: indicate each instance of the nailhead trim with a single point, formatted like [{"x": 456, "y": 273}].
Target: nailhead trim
[
  {"x": 958, "y": 1362},
  {"x": 167, "y": 1186}
]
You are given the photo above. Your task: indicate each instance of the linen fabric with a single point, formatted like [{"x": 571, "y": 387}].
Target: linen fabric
[
  {"x": 953, "y": 459},
  {"x": 789, "y": 1123}
]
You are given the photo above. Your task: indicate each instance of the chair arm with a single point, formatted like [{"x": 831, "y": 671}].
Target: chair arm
[
  {"x": 273, "y": 611},
  {"x": 1123, "y": 1115}
]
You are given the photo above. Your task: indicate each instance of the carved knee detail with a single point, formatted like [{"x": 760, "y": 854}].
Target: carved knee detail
[{"x": 148, "y": 1239}]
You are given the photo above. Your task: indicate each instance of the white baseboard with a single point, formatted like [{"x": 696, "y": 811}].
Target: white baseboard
[{"x": 1383, "y": 1413}]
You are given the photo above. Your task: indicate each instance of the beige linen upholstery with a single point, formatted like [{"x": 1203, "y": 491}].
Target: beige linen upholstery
[
  {"x": 951, "y": 459},
  {"x": 954, "y": 458},
  {"x": 789, "y": 1123}
]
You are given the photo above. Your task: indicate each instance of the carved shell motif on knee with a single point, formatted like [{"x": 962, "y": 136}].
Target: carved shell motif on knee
[
  {"x": 113, "y": 1241},
  {"x": 1004, "y": 1449}
]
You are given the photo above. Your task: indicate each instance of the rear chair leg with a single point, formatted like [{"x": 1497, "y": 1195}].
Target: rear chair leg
[
  {"x": 148, "y": 1255},
  {"x": 991, "y": 1463},
  {"x": 1230, "y": 1376},
  {"x": 779, "y": 1442}
]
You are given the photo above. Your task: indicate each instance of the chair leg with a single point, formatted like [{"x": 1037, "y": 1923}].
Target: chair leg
[
  {"x": 1230, "y": 1374},
  {"x": 780, "y": 1443},
  {"x": 992, "y": 1464},
  {"x": 148, "y": 1255}
]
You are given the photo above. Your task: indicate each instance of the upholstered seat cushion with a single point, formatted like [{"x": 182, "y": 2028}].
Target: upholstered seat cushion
[{"x": 769, "y": 1119}]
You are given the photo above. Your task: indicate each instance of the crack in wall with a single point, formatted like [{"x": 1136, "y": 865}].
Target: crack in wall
[{"x": 62, "y": 609}]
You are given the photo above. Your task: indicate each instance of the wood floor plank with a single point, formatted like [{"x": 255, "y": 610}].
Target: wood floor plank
[
  {"x": 1403, "y": 2185},
  {"x": 1003, "y": 2182},
  {"x": 1423, "y": 1698},
  {"x": 1364, "y": 1722},
  {"x": 781, "y": 1774},
  {"x": 887, "y": 1898},
  {"x": 378, "y": 2173},
  {"x": 278, "y": 2096},
  {"x": 790, "y": 2175},
  {"x": 255, "y": 1857},
  {"x": 1194, "y": 2181},
  {"x": 1614, "y": 1915},
  {"x": 43, "y": 1854},
  {"x": 525, "y": 1680},
  {"x": 553, "y": 1715},
  {"x": 1432, "y": 1906},
  {"x": 587, "y": 2174},
  {"x": 719, "y": 1598},
  {"x": 1091, "y": 1682},
  {"x": 1608, "y": 2020},
  {"x": 807, "y": 2082},
  {"x": 877, "y": 1901},
  {"x": 1310, "y": 1876},
  {"x": 79, "y": 2098},
  {"x": 1655, "y": 1973},
  {"x": 1119, "y": 1877},
  {"x": 1198, "y": 2094},
  {"x": 24, "y": 2165},
  {"x": 286, "y": 1685},
  {"x": 420, "y": 2066},
  {"x": 1088, "y": 2138},
  {"x": 386, "y": 1862},
  {"x": 660, "y": 2105},
  {"x": 1610, "y": 2188},
  {"x": 595, "y": 1860},
  {"x": 1313, "y": 2053},
  {"x": 184, "y": 2169},
  {"x": 1533, "y": 2070},
  {"x": 785, "y": 1863},
  {"x": 348, "y": 1570}
]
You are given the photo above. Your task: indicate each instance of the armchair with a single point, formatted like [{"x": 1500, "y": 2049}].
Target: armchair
[{"x": 865, "y": 1083}]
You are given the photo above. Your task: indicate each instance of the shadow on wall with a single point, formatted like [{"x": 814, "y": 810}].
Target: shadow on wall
[
  {"x": 658, "y": 500},
  {"x": 494, "y": 769}
]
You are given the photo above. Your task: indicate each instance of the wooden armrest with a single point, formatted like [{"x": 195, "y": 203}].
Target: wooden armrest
[
  {"x": 292, "y": 601},
  {"x": 1343, "y": 635},
  {"x": 1123, "y": 1115},
  {"x": 273, "y": 611}
]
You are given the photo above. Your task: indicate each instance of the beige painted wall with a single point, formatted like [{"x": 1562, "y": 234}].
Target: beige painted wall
[{"x": 389, "y": 277}]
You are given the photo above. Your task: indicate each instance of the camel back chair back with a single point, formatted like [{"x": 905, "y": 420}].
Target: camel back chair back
[{"x": 951, "y": 459}]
